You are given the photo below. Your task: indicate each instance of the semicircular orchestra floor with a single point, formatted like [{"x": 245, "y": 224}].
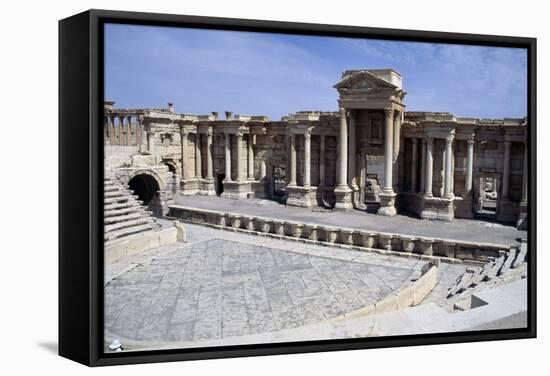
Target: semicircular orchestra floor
[{"x": 219, "y": 288}]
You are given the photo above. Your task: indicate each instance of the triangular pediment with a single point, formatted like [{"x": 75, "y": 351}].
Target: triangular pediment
[{"x": 363, "y": 80}]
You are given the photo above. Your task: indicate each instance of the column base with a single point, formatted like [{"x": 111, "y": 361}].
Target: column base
[
  {"x": 189, "y": 187},
  {"x": 343, "y": 198},
  {"x": 387, "y": 204},
  {"x": 207, "y": 187},
  {"x": 438, "y": 208},
  {"x": 522, "y": 222},
  {"x": 298, "y": 196},
  {"x": 236, "y": 190}
]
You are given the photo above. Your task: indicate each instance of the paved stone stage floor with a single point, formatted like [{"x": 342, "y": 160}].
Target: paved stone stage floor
[
  {"x": 221, "y": 284},
  {"x": 458, "y": 229},
  {"x": 225, "y": 288}
]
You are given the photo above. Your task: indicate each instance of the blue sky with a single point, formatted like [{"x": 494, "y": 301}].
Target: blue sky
[{"x": 273, "y": 74}]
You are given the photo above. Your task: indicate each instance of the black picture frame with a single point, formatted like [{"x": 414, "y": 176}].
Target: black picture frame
[{"x": 81, "y": 199}]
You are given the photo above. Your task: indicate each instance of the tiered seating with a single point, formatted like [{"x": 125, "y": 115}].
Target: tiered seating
[{"x": 124, "y": 215}]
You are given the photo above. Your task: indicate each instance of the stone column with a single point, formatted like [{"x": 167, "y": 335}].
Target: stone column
[
  {"x": 362, "y": 177},
  {"x": 342, "y": 190},
  {"x": 240, "y": 157},
  {"x": 183, "y": 133},
  {"x": 227, "y": 157},
  {"x": 506, "y": 172},
  {"x": 414, "y": 160},
  {"x": 209, "y": 163},
  {"x": 112, "y": 134},
  {"x": 522, "y": 222},
  {"x": 138, "y": 132},
  {"x": 122, "y": 130},
  {"x": 105, "y": 129},
  {"x": 396, "y": 135},
  {"x": 423, "y": 167},
  {"x": 448, "y": 192},
  {"x": 469, "y": 167},
  {"x": 198, "y": 165},
  {"x": 388, "y": 151},
  {"x": 352, "y": 157},
  {"x": 322, "y": 161},
  {"x": 151, "y": 142},
  {"x": 429, "y": 167},
  {"x": 129, "y": 130},
  {"x": 307, "y": 159},
  {"x": 263, "y": 170},
  {"x": 292, "y": 181},
  {"x": 343, "y": 149},
  {"x": 387, "y": 196},
  {"x": 250, "y": 157}
]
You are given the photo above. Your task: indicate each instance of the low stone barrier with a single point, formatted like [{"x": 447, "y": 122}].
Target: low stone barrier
[
  {"x": 138, "y": 243},
  {"x": 407, "y": 296},
  {"x": 446, "y": 250}
]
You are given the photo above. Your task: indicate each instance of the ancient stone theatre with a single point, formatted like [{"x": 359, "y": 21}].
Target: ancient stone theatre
[{"x": 370, "y": 155}]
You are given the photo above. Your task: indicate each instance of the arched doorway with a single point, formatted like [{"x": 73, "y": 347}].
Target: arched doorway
[{"x": 146, "y": 188}]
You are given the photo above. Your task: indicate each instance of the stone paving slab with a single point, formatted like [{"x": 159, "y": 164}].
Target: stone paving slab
[
  {"x": 506, "y": 309},
  {"x": 226, "y": 287},
  {"x": 458, "y": 229}
]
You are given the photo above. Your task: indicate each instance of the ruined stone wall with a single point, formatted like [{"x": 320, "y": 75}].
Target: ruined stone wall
[{"x": 119, "y": 156}]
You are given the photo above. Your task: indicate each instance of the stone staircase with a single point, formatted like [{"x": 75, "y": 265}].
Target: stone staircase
[{"x": 124, "y": 214}]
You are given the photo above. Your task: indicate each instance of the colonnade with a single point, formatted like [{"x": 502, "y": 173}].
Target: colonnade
[
  {"x": 124, "y": 132},
  {"x": 426, "y": 172}
]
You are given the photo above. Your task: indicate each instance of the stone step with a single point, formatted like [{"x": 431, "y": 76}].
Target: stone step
[
  {"x": 110, "y": 200},
  {"x": 130, "y": 231},
  {"x": 118, "y": 192},
  {"x": 125, "y": 217},
  {"x": 125, "y": 204},
  {"x": 124, "y": 210},
  {"x": 120, "y": 198},
  {"x": 110, "y": 188},
  {"x": 113, "y": 193},
  {"x": 130, "y": 223}
]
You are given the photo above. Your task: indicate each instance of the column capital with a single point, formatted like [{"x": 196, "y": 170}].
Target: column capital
[
  {"x": 307, "y": 135},
  {"x": 471, "y": 140},
  {"x": 342, "y": 111},
  {"x": 388, "y": 113},
  {"x": 449, "y": 139}
]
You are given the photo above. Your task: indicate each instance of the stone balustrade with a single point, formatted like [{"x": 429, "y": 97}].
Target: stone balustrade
[{"x": 392, "y": 244}]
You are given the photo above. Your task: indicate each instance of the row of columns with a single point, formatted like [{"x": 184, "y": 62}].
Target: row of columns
[
  {"x": 122, "y": 133},
  {"x": 426, "y": 175},
  {"x": 198, "y": 156},
  {"x": 250, "y": 157},
  {"x": 306, "y": 161},
  {"x": 209, "y": 158},
  {"x": 347, "y": 149}
]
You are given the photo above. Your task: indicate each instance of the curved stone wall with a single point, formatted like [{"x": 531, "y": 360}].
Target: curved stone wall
[{"x": 394, "y": 244}]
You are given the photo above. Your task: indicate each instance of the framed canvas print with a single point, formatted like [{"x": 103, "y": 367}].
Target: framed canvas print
[{"x": 241, "y": 187}]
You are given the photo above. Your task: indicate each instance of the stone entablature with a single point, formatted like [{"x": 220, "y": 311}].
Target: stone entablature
[{"x": 369, "y": 155}]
